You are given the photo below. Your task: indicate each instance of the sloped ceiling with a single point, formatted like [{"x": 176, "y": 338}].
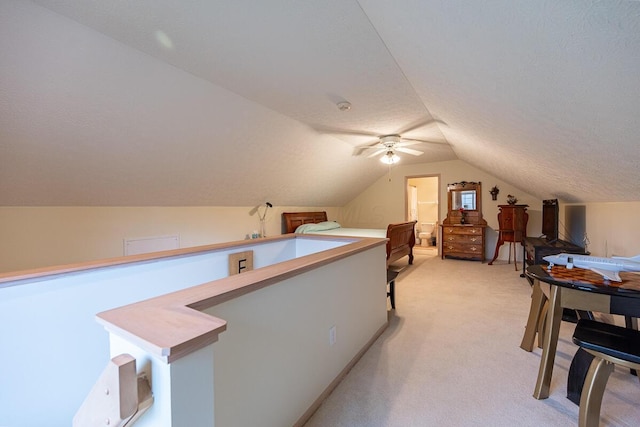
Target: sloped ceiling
[{"x": 166, "y": 102}]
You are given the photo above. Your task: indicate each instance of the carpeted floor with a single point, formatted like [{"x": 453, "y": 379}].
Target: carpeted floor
[{"x": 451, "y": 357}]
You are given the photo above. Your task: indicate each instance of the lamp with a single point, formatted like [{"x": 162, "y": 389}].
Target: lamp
[
  {"x": 390, "y": 158},
  {"x": 261, "y": 216},
  {"x": 262, "y": 228}
]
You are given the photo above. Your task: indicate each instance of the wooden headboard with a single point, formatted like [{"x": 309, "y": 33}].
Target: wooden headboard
[
  {"x": 401, "y": 237},
  {"x": 294, "y": 220}
]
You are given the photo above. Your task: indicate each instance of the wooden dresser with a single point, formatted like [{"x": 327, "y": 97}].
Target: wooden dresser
[
  {"x": 463, "y": 230},
  {"x": 463, "y": 241}
]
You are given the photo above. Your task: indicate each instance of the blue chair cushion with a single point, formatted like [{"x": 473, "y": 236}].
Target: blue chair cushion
[{"x": 612, "y": 340}]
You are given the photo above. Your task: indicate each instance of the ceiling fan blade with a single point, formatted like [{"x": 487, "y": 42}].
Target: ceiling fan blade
[
  {"x": 425, "y": 141},
  {"x": 407, "y": 142},
  {"x": 375, "y": 153},
  {"x": 362, "y": 148},
  {"x": 337, "y": 131},
  {"x": 410, "y": 151},
  {"x": 421, "y": 124}
]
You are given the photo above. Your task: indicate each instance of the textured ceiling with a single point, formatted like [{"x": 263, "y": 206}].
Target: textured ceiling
[{"x": 166, "y": 102}]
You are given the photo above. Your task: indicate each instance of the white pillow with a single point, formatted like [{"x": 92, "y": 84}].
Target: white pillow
[{"x": 321, "y": 226}]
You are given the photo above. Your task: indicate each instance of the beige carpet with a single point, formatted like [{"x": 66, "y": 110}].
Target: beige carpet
[{"x": 451, "y": 357}]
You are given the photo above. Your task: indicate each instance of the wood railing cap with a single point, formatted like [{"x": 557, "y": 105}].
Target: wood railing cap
[{"x": 171, "y": 326}]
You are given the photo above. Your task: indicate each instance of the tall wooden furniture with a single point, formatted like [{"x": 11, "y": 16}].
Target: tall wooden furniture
[
  {"x": 512, "y": 228},
  {"x": 463, "y": 230}
]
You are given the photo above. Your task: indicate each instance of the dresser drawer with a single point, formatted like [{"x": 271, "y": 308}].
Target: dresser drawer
[
  {"x": 463, "y": 241},
  {"x": 463, "y": 229},
  {"x": 463, "y": 238},
  {"x": 455, "y": 248}
]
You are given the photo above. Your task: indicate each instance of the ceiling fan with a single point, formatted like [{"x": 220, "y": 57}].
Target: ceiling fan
[{"x": 388, "y": 145}]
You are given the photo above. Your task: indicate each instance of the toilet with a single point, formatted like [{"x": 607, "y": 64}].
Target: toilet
[{"x": 426, "y": 233}]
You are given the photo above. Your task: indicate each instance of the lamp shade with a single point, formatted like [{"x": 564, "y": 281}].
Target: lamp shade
[{"x": 390, "y": 158}]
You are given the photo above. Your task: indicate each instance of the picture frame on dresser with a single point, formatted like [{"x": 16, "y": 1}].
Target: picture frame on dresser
[{"x": 463, "y": 230}]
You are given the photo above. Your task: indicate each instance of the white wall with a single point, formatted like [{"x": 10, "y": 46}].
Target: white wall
[
  {"x": 610, "y": 228},
  {"x": 384, "y": 201},
  {"x": 58, "y": 351},
  {"x": 274, "y": 360},
  {"x": 45, "y": 236},
  {"x": 53, "y": 348}
]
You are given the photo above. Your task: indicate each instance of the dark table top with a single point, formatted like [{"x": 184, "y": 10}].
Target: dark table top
[
  {"x": 557, "y": 243},
  {"x": 586, "y": 280}
]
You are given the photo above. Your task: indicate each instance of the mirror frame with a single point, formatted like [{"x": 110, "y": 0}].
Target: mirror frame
[{"x": 473, "y": 216}]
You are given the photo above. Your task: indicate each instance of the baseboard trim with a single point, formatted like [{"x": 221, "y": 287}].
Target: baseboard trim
[{"x": 316, "y": 404}]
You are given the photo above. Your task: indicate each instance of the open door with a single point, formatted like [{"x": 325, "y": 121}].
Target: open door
[{"x": 423, "y": 206}]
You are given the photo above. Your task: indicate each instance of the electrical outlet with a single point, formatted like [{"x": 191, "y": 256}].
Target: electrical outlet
[{"x": 332, "y": 335}]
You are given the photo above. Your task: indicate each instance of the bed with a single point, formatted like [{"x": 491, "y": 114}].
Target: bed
[{"x": 401, "y": 236}]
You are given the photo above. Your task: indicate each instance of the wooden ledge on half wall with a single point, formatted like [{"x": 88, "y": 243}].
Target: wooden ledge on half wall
[{"x": 171, "y": 326}]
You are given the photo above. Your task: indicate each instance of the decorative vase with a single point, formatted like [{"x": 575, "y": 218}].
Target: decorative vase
[{"x": 462, "y": 219}]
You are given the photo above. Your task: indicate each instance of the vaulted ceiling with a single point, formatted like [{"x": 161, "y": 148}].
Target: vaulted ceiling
[{"x": 167, "y": 102}]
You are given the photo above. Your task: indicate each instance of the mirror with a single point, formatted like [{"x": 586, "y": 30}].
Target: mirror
[
  {"x": 468, "y": 197},
  {"x": 463, "y": 199}
]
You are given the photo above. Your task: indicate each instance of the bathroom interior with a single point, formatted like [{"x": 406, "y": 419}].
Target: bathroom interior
[{"x": 423, "y": 207}]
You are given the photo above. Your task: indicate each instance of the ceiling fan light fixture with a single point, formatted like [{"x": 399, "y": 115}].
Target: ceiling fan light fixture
[
  {"x": 390, "y": 158},
  {"x": 344, "y": 106}
]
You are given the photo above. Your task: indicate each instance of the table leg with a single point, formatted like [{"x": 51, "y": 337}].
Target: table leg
[
  {"x": 537, "y": 303},
  {"x": 542, "y": 322},
  {"x": 549, "y": 345}
]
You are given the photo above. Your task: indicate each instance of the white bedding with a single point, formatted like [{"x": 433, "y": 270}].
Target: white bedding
[{"x": 332, "y": 228}]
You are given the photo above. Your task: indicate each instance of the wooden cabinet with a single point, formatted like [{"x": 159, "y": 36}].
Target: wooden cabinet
[
  {"x": 463, "y": 230},
  {"x": 512, "y": 228},
  {"x": 463, "y": 241}
]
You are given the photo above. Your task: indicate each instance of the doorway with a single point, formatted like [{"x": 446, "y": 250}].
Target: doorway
[{"x": 423, "y": 196}]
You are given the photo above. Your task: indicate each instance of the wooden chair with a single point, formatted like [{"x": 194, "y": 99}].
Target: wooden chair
[
  {"x": 610, "y": 345},
  {"x": 391, "y": 281}
]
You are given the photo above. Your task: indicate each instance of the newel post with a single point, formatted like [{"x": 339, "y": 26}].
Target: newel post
[{"x": 182, "y": 389}]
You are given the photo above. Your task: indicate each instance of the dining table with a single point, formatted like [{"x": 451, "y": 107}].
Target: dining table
[{"x": 555, "y": 288}]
